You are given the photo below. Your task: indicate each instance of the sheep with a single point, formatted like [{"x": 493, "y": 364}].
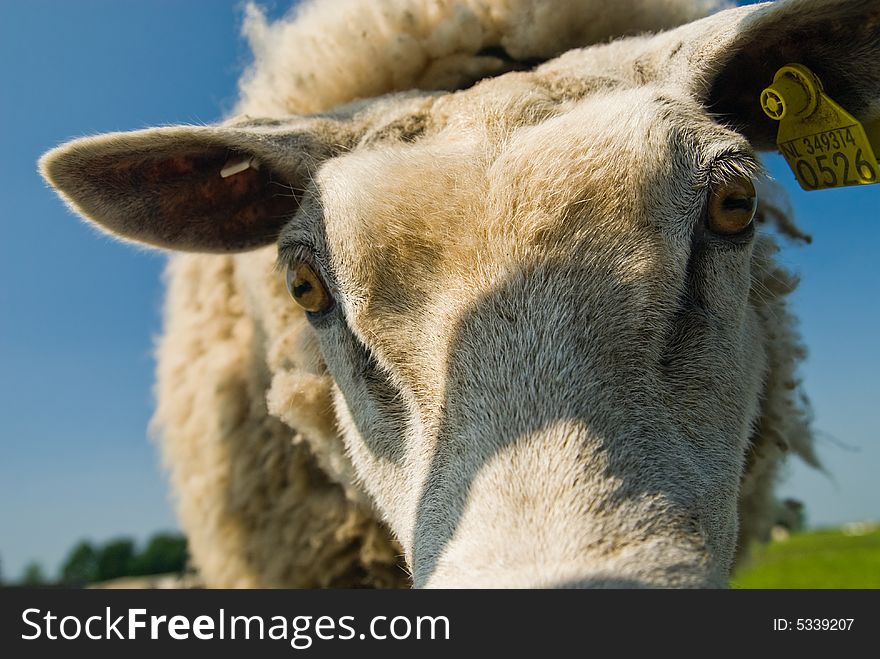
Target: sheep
[{"x": 532, "y": 343}]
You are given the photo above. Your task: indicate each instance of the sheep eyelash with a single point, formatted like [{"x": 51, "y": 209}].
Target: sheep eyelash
[
  {"x": 728, "y": 165},
  {"x": 289, "y": 253}
]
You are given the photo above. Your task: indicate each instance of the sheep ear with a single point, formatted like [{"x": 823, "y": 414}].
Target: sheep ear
[
  {"x": 189, "y": 188},
  {"x": 729, "y": 58}
]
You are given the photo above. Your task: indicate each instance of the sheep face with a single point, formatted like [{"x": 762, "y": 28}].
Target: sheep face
[
  {"x": 548, "y": 319},
  {"x": 546, "y": 365}
]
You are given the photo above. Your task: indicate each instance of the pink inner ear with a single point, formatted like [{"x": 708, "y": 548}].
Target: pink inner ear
[
  {"x": 186, "y": 203},
  {"x": 178, "y": 166}
]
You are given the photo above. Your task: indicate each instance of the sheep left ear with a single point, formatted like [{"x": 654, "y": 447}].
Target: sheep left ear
[
  {"x": 726, "y": 60},
  {"x": 193, "y": 188}
]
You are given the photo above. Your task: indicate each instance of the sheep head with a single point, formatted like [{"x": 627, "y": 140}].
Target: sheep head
[{"x": 553, "y": 328}]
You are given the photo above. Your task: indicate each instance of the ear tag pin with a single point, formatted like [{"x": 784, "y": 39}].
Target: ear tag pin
[{"x": 825, "y": 146}]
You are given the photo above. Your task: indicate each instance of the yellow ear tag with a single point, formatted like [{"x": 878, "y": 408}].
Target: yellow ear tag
[{"x": 825, "y": 146}]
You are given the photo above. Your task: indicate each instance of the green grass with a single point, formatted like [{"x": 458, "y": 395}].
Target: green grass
[{"x": 826, "y": 558}]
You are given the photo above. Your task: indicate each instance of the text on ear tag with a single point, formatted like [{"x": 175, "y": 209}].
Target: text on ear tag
[{"x": 825, "y": 146}]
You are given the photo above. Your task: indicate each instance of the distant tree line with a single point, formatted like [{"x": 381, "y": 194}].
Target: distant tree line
[{"x": 87, "y": 563}]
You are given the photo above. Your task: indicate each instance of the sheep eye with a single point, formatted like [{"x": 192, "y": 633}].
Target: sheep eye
[
  {"x": 732, "y": 206},
  {"x": 308, "y": 289}
]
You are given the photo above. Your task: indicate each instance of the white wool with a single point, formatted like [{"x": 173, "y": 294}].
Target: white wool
[{"x": 323, "y": 54}]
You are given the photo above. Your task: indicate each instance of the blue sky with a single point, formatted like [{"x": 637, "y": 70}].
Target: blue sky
[{"x": 80, "y": 312}]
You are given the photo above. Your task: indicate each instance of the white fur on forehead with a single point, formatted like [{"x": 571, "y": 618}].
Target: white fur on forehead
[{"x": 311, "y": 60}]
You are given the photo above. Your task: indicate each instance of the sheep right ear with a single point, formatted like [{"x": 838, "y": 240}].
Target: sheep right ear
[
  {"x": 729, "y": 58},
  {"x": 193, "y": 188}
]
